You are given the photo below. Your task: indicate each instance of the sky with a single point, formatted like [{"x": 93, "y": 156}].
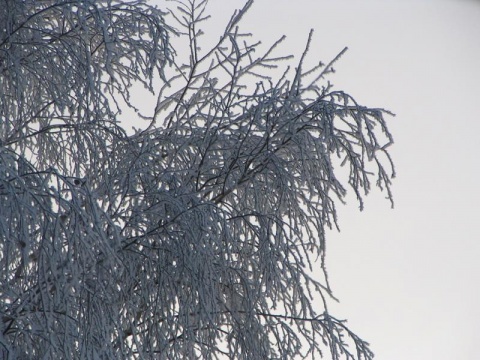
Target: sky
[{"x": 408, "y": 278}]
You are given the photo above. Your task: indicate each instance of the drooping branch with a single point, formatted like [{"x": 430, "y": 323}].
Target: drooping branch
[{"x": 197, "y": 235}]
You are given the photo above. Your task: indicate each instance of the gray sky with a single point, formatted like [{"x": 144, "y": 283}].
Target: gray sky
[{"x": 408, "y": 279}]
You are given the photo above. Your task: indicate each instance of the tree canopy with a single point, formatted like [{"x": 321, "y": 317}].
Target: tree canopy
[{"x": 194, "y": 236}]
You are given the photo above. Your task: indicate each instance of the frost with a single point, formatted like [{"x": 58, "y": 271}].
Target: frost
[{"x": 194, "y": 237}]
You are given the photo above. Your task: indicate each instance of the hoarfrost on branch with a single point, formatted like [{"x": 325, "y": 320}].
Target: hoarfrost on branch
[{"x": 196, "y": 235}]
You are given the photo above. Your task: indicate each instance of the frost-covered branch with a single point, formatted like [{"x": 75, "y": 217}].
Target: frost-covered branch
[{"x": 194, "y": 237}]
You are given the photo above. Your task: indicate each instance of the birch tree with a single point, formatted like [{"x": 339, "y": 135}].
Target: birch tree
[{"x": 201, "y": 234}]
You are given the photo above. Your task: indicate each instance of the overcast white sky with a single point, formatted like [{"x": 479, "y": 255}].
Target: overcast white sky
[{"x": 408, "y": 279}]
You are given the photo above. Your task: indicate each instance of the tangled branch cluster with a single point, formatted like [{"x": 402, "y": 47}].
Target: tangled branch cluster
[{"x": 194, "y": 237}]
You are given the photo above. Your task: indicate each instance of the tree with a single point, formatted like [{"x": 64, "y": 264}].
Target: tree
[{"x": 196, "y": 235}]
